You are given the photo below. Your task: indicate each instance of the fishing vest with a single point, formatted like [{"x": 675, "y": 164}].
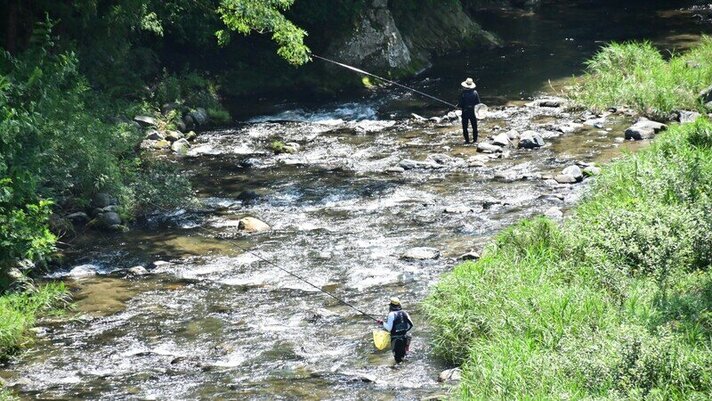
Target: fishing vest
[{"x": 400, "y": 324}]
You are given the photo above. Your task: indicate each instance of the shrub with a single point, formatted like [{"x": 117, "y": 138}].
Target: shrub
[
  {"x": 612, "y": 306},
  {"x": 637, "y": 75}
]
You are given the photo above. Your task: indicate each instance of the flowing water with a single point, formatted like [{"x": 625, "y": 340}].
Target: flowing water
[{"x": 217, "y": 322}]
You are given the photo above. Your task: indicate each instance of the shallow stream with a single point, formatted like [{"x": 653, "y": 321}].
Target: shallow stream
[{"x": 216, "y": 322}]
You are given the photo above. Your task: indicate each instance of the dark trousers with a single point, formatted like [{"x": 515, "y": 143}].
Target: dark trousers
[
  {"x": 401, "y": 344},
  {"x": 468, "y": 115}
]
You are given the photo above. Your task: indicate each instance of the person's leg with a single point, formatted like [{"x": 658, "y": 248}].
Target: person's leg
[
  {"x": 474, "y": 128},
  {"x": 399, "y": 349},
  {"x": 464, "y": 127}
]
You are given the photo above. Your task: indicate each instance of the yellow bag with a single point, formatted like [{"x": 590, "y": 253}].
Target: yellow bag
[{"x": 381, "y": 339}]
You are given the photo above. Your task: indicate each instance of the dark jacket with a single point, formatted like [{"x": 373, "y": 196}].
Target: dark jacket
[{"x": 469, "y": 98}]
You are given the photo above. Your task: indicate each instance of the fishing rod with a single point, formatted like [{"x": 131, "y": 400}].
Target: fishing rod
[
  {"x": 302, "y": 279},
  {"x": 360, "y": 71}
]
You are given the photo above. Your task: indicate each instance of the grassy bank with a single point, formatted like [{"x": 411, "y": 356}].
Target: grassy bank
[
  {"x": 18, "y": 312},
  {"x": 614, "y": 304},
  {"x": 637, "y": 75}
]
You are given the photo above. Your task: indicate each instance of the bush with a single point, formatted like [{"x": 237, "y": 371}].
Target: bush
[
  {"x": 18, "y": 312},
  {"x": 612, "y": 306},
  {"x": 637, "y": 75}
]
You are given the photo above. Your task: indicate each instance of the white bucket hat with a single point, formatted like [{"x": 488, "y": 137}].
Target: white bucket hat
[{"x": 468, "y": 84}]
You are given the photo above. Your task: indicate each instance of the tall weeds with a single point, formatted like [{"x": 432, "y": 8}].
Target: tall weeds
[
  {"x": 637, "y": 75},
  {"x": 616, "y": 304}
]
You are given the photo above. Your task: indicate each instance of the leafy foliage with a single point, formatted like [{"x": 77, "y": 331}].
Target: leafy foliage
[
  {"x": 18, "y": 312},
  {"x": 614, "y": 305},
  {"x": 245, "y": 16},
  {"x": 637, "y": 75}
]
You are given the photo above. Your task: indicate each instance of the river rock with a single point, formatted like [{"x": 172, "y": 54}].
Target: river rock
[
  {"x": 421, "y": 253},
  {"x": 530, "y": 140},
  {"x": 472, "y": 255},
  {"x": 568, "y": 128},
  {"x": 107, "y": 220},
  {"x": 565, "y": 179},
  {"x": 161, "y": 145},
  {"x": 200, "y": 116},
  {"x": 83, "y": 271},
  {"x": 439, "y": 158},
  {"x": 686, "y": 116},
  {"x": 418, "y": 117},
  {"x": 252, "y": 225},
  {"x": 137, "y": 271},
  {"x": 395, "y": 169},
  {"x": 644, "y": 129},
  {"x": 188, "y": 121},
  {"x": 450, "y": 376},
  {"x": 552, "y": 102},
  {"x": 145, "y": 121},
  {"x": 103, "y": 199},
  {"x": 154, "y": 135},
  {"x": 181, "y": 146},
  {"x": 485, "y": 147},
  {"x": 591, "y": 171},
  {"x": 706, "y": 94},
  {"x": 501, "y": 139},
  {"x": 173, "y": 136},
  {"x": 554, "y": 213},
  {"x": 159, "y": 264},
  {"x": 573, "y": 171},
  {"x": 78, "y": 217},
  {"x": 512, "y": 135}
]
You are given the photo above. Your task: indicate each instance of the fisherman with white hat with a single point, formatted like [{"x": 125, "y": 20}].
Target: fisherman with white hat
[
  {"x": 398, "y": 323},
  {"x": 469, "y": 98}
]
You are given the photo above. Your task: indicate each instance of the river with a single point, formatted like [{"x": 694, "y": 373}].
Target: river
[{"x": 216, "y": 322}]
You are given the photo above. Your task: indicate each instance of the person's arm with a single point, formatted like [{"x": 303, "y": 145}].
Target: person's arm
[
  {"x": 388, "y": 324},
  {"x": 410, "y": 322},
  {"x": 477, "y": 98},
  {"x": 460, "y": 100}
]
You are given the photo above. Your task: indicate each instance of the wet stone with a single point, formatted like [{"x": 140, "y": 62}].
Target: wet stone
[
  {"x": 82, "y": 271},
  {"x": 644, "y": 129},
  {"x": 591, "y": 171},
  {"x": 472, "y": 255},
  {"x": 450, "y": 376},
  {"x": 573, "y": 171},
  {"x": 485, "y": 147},
  {"x": 554, "y": 213},
  {"x": 565, "y": 179},
  {"x": 137, "y": 271},
  {"x": 154, "y": 135},
  {"x": 501, "y": 139},
  {"x": 421, "y": 253},
  {"x": 530, "y": 140},
  {"x": 252, "y": 225}
]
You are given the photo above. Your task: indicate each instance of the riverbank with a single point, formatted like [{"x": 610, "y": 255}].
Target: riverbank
[{"x": 614, "y": 303}]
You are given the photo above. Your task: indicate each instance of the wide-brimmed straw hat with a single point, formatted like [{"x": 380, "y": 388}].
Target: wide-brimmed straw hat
[
  {"x": 395, "y": 301},
  {"x": 469, "y": 83}
]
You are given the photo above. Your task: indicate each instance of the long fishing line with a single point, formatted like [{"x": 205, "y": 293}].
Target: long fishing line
[
  {"x": 300, "y": 278},
  {"x": 360, "y": 71}
]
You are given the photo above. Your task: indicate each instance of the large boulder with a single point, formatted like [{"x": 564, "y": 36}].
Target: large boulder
[
  {"x": 573, "y": 171},
  {"x": 103, "y": 199},
  {"x": 146, "y": 121},
  {"x": 181, "y": 146},
  {"x": 154, "y": 135},
  {"x": 200, "y": 116},
  {"x": 530, "y": 140},
  {"x": 644, "y": 129},
  {"x": 173, "y": 136},
  {"x": 421, "y": 253},
  {"x": 82, "y": 271},
  {"x": 485, "y": 147},
  {"x": 252, "y": 225},
  {"x": 501, "y": 140},
  {"x": 107, "y": 220}
]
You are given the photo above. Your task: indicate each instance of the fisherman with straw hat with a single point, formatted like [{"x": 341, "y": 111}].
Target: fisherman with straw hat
[
  {"x": 469, "y": 98},
  {"x": 398, "y": 323}
]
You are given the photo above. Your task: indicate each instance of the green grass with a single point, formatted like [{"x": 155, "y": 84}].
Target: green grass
[
  {"x": 18, "y": 312},
  {"x": 637, "y": 75},
  {"x": 615, "y": 304},
  {"x": 6, "y": 395}
]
